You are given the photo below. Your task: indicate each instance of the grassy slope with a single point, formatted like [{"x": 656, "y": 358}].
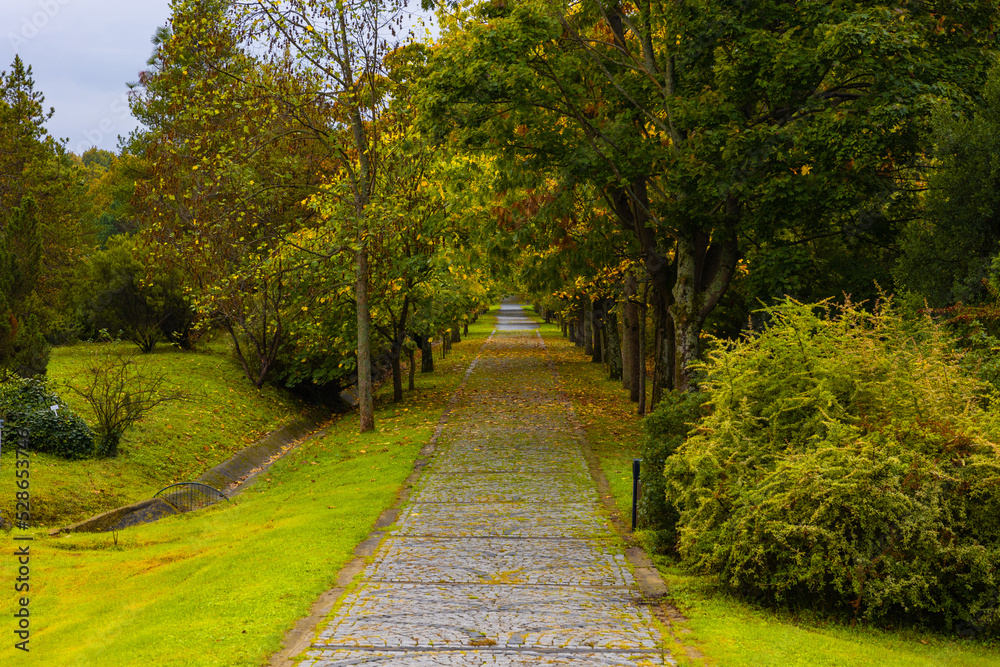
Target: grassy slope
[
  {"x": 726, "y": 631},
  {"x": 221, "y": 586},
  {"x": 175, "y": 442}
]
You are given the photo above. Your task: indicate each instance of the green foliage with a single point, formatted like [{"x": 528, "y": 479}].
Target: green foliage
[
  {"x": 123, "y": 295},
  {"x": 846, "y": 464},
  {"x": 43, "y": 182},
  {"x": 947, "y": 252},
  {"x": 120, "y": 391},
  {"x": 22, "y": 131},
  {"x": 26, "y": 404},
  {"x": 22, "y": 349},
  {"x": 111, "y": 182},
  {"x": 977, "y": 337},
  {"x": 215, "y": 126},
  {"x": 730, "y": 125},
  {"x": 664, "y": 430}
]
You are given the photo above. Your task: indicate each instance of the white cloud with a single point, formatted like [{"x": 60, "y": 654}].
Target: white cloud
[{"x": 82, "y": 54}]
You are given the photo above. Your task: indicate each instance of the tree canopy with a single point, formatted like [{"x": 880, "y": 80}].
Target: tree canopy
[
  {"x": 707, "y": 130},
  {"x": 334, "y": 193}
]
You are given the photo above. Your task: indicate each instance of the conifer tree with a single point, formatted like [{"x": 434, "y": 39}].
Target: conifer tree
[{"x": 23, "y": 350}]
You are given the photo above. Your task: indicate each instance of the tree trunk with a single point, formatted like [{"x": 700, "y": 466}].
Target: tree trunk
[
  {"x": 396, "y": 351},
  {"x": 410, "y": 352},
  {"x": 571, "y": 327},
  {"x": 662, "y": 271},
  {"x": 596, "y": 353},
  {"x": 465, "y": 329},
  {"x": 563, "y": 325},
  {"x": 361, "y": 184},
  {"x": 632, "y": 329},
  {"x": 614, "y": 353},
  {"x": 397, "y": 379},
  {"x": 427, "y": 355},
  {"x": 642, "y": 351},
  {"x": 588, "y": 329},
  {"x": 663, "y": 349},
  {"x": 704, "y": 269},
  {"x": 687, "y": 330},
  {"x": 456, "y": 336},
  {"x": 366, "y": 407},
  {"x": 624, "y": 338}
]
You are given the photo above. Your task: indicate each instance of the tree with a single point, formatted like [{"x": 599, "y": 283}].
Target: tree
[
  {"x": 227, "y": 173},
  {"x": 122, "y": 295},
  {"x": 23, "y": 351},
  {"x": 22, "y": 131},
  {"x": 948, "y": 249},
  {"x": 342, "y": 48},
  {"x": 33, "y": 164},
  {"x": 120, "y": 391},
  {"x": 707, "y": 128}
]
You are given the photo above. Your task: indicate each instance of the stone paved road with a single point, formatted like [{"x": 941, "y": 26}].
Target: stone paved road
[{"x": 503, "y": 555}]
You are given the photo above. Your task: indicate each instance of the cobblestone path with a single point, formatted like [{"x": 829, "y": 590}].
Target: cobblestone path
[{"x": 503, "y": 555}]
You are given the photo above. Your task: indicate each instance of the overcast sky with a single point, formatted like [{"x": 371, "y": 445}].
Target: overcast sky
[{"x": 82, "y": 54}]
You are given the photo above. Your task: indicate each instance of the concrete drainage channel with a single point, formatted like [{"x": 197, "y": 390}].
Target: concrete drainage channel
[{"x": 229, "y": 478}]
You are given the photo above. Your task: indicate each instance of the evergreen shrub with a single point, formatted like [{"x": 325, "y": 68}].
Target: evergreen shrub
[
  {"x": 664, "y": 429},
  {"x": 846, "y": 463},
  {"x": 26, "y": 404}
]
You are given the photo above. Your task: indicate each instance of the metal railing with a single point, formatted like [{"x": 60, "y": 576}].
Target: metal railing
[{"x": 190, "y": 496}]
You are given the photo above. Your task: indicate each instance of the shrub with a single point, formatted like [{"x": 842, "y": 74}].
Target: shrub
[
  {"x": 664, "y": 430},
  {"x": 27, "y": 404},
  {"x": 847, "y": 464},
  {"x": 125, "y": 292},
  {"x": 121, "y": 390}
]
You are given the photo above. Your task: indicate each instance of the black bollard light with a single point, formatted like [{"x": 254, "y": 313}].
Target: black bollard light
[{"x": 635, "y": 492}]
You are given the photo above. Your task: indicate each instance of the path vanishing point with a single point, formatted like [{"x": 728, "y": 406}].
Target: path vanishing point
[{"x": 503, "y": 554}]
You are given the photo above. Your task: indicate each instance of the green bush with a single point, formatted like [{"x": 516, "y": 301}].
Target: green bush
[
  {"x": 27, "y": 404},
  {"x": 847, "y": 464},
  {"x": 664, "y": 430},
  {"x": 126, "y": 293}
]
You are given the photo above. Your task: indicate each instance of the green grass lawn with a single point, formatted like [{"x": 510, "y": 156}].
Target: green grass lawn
[
  {"x": 726, "y": 631},
  {"x": 222, "y": 586},
  {"x": 176, "y": 442}
]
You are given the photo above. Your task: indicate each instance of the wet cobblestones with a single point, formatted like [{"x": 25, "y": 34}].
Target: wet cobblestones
[
  {"x": 570, "y": 520},
  {"x": 482, "y": 658},
  {"x": 503, "y": 555},
  {"x": 456, "y": 615},
  {"x": 501, "y": 561}
]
